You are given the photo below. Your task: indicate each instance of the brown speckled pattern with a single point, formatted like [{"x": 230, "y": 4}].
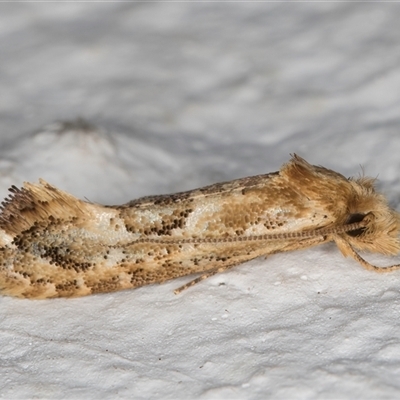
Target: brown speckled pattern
[{"x": 52, "y": 244}]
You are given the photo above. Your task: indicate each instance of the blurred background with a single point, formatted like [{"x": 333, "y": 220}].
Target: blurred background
[{"x": 193, "y": 93}]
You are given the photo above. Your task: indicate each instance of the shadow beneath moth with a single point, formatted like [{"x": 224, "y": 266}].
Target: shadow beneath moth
[{"x": 55, "y": 245}]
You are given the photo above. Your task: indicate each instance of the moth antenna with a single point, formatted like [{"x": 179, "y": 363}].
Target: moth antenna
[{"x": 336, "y": 230}]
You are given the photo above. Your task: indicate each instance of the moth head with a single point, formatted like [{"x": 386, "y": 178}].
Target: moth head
[{"x": 382, "y": 223}]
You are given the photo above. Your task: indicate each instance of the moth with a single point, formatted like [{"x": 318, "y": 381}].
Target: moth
[{"x": 55, "y": 245}]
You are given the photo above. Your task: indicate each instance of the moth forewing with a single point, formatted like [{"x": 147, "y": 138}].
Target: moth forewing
[{"x": 53, "y": 244}]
